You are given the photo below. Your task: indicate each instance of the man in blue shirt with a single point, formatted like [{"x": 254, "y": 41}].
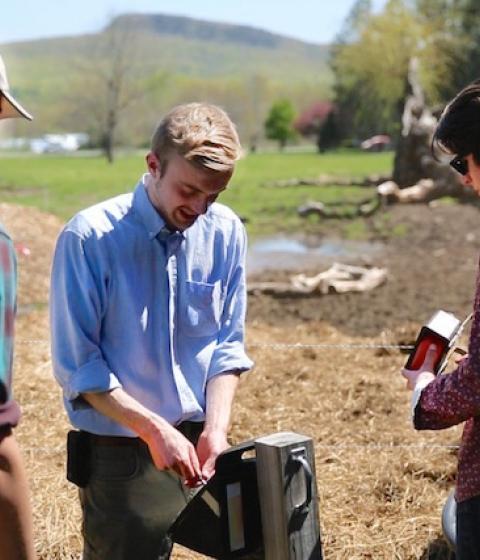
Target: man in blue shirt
[{"x": 148, "y": 310}]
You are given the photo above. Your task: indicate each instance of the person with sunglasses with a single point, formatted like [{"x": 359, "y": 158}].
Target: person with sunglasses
[
  {"x": 16, "y": 533},
  {"x": 460, "y": 164},
  {"x": 443, "y": 401}
]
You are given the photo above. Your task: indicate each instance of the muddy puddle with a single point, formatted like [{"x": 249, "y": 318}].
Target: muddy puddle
[{"x": 284, "y": 252}]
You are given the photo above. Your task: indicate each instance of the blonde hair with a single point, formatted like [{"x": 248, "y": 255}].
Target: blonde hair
[{"x": 201, "y": 133}]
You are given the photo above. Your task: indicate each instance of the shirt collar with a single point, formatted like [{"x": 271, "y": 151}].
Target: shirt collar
[{"x": 150, "y": 217}]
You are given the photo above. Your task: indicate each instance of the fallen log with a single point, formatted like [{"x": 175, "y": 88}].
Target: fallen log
[
  {"x": 327, "y": 180},
  {"x": 423, "y": 191},
  {"x": 343, "y": 209},
  {"x": 339, "y": 278}
]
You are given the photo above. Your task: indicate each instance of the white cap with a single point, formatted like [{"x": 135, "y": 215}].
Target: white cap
[{"x": 9, "y": 108}]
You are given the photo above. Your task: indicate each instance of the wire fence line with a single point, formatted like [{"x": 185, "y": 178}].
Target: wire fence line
[
  {"x": 329, "y": 346},
  {"x": 332, "y": 446},
  {"x": 279, "y": 345}
]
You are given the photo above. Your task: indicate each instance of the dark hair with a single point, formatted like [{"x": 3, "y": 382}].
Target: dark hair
[{"x": 458, "y": 130}]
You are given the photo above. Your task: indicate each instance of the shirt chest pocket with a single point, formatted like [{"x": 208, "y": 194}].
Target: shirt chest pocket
[{"x": 201, "y": 309}]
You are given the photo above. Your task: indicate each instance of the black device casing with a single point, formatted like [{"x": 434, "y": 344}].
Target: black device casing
[{"x": 223, "y": 519}]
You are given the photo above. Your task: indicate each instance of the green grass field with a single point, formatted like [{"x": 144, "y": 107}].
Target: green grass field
[{"x": 62, "y": 185}]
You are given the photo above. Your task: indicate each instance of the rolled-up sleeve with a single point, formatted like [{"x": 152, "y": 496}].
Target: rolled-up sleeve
[
  {"x": 229, "y": 354},
  {"x": 77, "y": 305}
]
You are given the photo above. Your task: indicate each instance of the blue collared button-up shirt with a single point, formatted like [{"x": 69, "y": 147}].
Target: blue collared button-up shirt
[{"x": 138, "y": 307}]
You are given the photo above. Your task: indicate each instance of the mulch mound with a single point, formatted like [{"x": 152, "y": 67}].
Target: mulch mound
[{"x": 381, "y": 485}]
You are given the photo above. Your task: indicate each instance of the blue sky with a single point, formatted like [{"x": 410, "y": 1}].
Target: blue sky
[{"x": 311, "y": 20}]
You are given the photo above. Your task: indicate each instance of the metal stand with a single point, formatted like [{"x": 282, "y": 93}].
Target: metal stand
[{"x": 288, "y": 497}]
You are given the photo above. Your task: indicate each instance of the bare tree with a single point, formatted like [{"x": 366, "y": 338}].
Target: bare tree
[
  {"x": 256, "y": 108},
  {"x": 107, "y": 85}
]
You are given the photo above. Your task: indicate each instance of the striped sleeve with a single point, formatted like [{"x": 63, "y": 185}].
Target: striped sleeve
[{"x": 7, "y": 314}]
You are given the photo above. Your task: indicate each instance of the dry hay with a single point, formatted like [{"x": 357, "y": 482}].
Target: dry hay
[
  {"x": 380, "y": 493},
  {"x": 381, "y": 485}
]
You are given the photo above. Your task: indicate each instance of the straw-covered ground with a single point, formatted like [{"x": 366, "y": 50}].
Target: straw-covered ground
[{"x": 381, "y": 485}]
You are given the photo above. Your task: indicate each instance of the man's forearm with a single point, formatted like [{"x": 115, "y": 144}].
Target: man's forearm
[
  {"x": 220, "y": 392},
  {"x": 213, "y": 440},
  {"x": 125, "y": 410},
  {"x": 168, "y": 447}
]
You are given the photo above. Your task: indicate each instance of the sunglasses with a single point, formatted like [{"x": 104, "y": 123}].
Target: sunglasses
[{"x": 460, "y": 165}]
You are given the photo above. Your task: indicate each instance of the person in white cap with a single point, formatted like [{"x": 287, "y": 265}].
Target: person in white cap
[
  {"x": 9, "y": 106},
  {"x": 16, "y": 532}
]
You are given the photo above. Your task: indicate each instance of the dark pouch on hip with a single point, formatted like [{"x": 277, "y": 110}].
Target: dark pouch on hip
[{"x": 78, "y": 458}]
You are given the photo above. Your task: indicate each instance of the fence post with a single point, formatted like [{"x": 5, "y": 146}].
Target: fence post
[{"x": 288, "y": 497}]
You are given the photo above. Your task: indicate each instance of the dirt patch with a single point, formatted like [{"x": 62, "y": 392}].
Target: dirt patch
[
  {"x": 318, "y": 372},
  {"x": 432, "y": 266}
]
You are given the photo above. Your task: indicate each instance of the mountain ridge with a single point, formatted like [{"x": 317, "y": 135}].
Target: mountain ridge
[
  {"x": 196, "y": 28},
  {"x": 181, "y": 57}
]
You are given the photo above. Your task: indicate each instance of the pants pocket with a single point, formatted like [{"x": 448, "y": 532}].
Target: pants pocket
[{"x": 114, "y": 463}]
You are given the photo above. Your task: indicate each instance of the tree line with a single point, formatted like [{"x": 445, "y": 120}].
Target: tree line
[
  {"x": 370, "y": 59},
  {"x": 371, "y": 54}
]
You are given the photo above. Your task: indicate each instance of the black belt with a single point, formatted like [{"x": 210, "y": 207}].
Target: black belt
[
  {"x": 191, "y": 430},
  {"x": 115, "y": 441}
]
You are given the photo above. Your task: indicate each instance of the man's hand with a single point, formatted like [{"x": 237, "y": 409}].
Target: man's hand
[
  {"x": 210, "y": 444},
  {"x": 424, "y": 373},
  {"x": 171, "y": 450}
]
